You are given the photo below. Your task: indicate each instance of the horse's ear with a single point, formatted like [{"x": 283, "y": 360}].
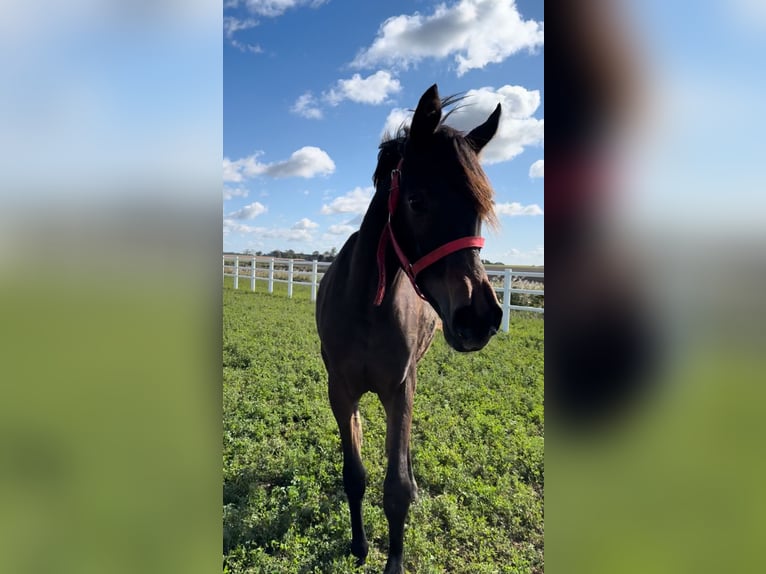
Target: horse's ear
[
  {"x": 427, "y": 116},
  {"x": 480, "y": 136}
]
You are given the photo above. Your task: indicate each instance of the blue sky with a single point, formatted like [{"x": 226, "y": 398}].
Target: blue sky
[{"x": 310, "y": 86}]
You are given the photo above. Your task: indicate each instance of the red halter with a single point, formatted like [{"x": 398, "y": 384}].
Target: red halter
[{"x": 411, "y": 269}]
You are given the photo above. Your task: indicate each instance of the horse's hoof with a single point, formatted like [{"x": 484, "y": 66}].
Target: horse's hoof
[
  {"x": 394, "y": 567},
  {"x": 360, "y": 552}
]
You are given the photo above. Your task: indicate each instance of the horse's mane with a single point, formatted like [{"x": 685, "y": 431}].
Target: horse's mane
[{"x": 392, "y": 145}]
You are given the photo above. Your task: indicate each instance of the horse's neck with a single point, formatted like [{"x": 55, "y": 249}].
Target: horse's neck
[{"x": 364, "y": 258}]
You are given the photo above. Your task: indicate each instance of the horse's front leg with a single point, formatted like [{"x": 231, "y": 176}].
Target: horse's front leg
[
  {"x": 399, "y": 488},
  {"x": 346, "y": 411}
]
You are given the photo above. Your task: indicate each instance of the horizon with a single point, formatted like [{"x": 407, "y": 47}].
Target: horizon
[{"x": 328, "y": 253}]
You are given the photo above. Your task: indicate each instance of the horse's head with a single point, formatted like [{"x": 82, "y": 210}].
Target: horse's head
[{"x": 444, "y": 195}]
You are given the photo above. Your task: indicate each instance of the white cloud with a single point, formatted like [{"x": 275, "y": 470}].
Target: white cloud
[
  {"x": 287, "y": 234},
  {"x": 534, "y": 256},
  {"x": 346, "y": 228},
  {"x": 355, "y": 201},
  {"x": 517, "y": 128},
  {"x": 231, "y": 226},
  {"x": 245, "y": 167},
  {"x": 247, "y": 47},
  {"x": 306, "y": 106},
  {"x": 341, "y": 229},
  {"x": 305, "y": 223},
  {"x": 229, "y": 192},
  {"x": 231, "y": 25},
  {"x": 536, "y": 169},
  {"x": 231, "y": 172},
  {"x": 307, "y": 162},
  {"x": 249, "y": 211},
  {"x": 397, "y": 118},
  {"x": 474, "y": 32},
  {"x": 514, "y": 208},
  {"x": 373, "y": 89},
  {"x": 272, "y": 8},
  {"x": 264, "y": 8}
]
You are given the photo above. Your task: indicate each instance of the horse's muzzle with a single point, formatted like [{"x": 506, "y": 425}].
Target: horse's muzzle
[{"x": 473, "y": 325}]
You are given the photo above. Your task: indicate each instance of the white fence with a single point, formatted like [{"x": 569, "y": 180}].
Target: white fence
[{"x": 252, "y": 268}]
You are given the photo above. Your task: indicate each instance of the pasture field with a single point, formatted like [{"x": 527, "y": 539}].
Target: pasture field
[{"x": 477, "y": 447}]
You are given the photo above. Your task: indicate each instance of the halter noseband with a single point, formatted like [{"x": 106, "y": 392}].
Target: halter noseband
[{"x": 411, "y": 269}]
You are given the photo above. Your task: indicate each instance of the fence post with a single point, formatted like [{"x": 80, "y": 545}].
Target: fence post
[
  {"x": 252, "y": 274},
  {"x": 507, "y": 301},
  {"x": 271, "y": 275},
  {"x": 236, "y": 272},
  {"x": 290, "y": 278},
  {"x": 314, "y": 280}
]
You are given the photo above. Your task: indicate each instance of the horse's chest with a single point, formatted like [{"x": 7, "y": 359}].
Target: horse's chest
[{"x": 374, "y": 359}]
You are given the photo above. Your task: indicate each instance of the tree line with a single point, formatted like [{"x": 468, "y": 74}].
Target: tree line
[{"x": 327, "y": 256}]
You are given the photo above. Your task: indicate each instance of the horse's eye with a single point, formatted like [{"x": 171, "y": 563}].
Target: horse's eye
[{"x": 417, "y": 204}]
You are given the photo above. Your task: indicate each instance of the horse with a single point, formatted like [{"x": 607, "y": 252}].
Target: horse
[{"x": 377, "y": 312}]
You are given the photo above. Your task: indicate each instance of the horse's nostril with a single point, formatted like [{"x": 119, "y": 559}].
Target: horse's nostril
[
  {"x": 461, "y": 322},
  {"x": 472, "y": 330},
  {"x": 469, "y": 326}
]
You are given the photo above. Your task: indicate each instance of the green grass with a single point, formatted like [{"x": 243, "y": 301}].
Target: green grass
[{"x": 477, "y": 446}]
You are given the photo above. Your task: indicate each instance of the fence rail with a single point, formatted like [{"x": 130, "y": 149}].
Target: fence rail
[{"x": 272, "y": 270}]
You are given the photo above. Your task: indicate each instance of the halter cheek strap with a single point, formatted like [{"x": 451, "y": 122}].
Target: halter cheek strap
[{"x": 411, "y": 269}]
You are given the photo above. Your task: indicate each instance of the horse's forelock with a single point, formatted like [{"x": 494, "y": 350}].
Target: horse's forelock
[{"x": 477, "y": 184}]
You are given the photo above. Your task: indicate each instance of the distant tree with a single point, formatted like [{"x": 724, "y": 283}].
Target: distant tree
[{"x": 327, "y": 256}]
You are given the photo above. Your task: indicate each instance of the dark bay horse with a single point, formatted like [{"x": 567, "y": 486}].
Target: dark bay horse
[{"x": 377, "y": 312}]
